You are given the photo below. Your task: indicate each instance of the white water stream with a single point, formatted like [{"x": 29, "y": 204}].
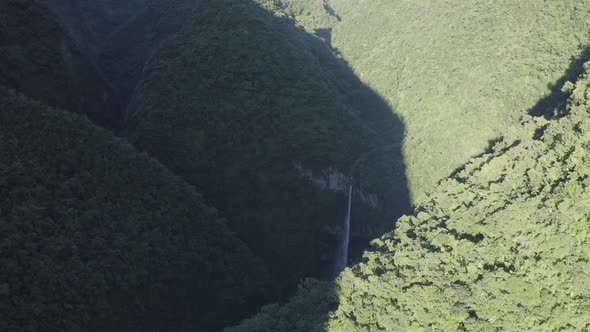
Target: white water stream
[{"x": 342, "y": 254}]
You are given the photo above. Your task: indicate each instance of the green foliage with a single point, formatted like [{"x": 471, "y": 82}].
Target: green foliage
[
  {"x": 127, "y": 49},
  {"x": 239, "y": 97},
  {"x": 248, "y": 100},
  {"x": 458, "y": 72},
  {"x": 91, "y": 22},
  {"x": 40, "y": 60},
  {"x": 97, "y": 237},
  {"x": 502, "y": 246},
  {"x": 306, "y": 311}
]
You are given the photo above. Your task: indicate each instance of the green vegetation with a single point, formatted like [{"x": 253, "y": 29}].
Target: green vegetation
[
  {"x": 40, "y": 60},
  {"x": 91, "y": 22},
  {"x": 127, "y": 49},
  {"x": 240, "y": 97},
  {"x": 457, "y": 72},
  {"x": 97, "y": 237},
  {"x": 501, "y": 246},
  {"x": 266, "y": 108}
]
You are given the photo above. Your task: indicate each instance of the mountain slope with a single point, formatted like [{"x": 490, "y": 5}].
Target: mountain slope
[
  {"x": 503, "y": 245},
  {"x": 39, "y": 59},
  {"x": 91, "y": 22},
  {"x": 126, "y": 51},
  {"x": 457, "y": 72},
  {"x": 269, "y": 124},
  {"x": 97, "y": 237}
]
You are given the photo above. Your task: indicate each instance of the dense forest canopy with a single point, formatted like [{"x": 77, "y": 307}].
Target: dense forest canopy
[
  {"x": 96, "y": 236},
  {"x": 182, "y": 165},
  {"x": 91, "y": 22},
  {"x": 240, "y": 103},
  {"x": 40, "y": 59},
  {"x": 127, "y": 49},
  {"x": 459, "y": 72},
  {"x": 501, "y": 246}
]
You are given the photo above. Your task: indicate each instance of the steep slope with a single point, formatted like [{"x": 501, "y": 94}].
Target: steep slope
[
  {"x": 90, "y": 22},
  {"x": 502, "y": 246},
  {"x": 268, "y": 123},
  {"x": 40, "y": 60},
  {"x": 457, "y": 72},
  {"x": 128, "y": 48},
  {"x": 97, "y": 237}
]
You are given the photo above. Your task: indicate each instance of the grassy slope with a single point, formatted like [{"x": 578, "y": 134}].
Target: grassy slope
[
  {"x": 503, "y": 245},
  {"x": 238, "y": 96},
  {"x": 40, "y": 60},
  {"x": 95, "y": 236},
  {"x": 458, "y": 72}
]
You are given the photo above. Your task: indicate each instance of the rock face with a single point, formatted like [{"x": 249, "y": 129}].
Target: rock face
[
  {"x": 334, "y": 180},
  {"x": 39, "y": 59}
]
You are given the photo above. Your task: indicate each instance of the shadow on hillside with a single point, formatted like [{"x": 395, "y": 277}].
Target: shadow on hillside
[
  {"x": 377, "y": 168},
  {"x": 557, "y": 98},
  {"x": 265, "y": 96},
  {"x": 128, "y": 48}
]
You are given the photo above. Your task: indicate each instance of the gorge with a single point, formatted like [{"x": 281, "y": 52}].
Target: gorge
[{"x": 188, "y": 165}]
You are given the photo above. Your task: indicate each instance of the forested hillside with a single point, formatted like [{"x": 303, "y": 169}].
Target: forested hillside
[
  {"x": 90, "y": 22},
  {"x": 252, "y": 110},
  {"x": 461, "y": 127},
  {"x": 457, "y": 72},
  {"x": 97, "y": 237},
  {"x": 38, "y": 58},
  {"x": 126, "y": 51},
  {"x": 501, "y": 246}
]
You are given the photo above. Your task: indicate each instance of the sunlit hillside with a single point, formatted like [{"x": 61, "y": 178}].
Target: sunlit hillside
[
  {"x": 501, "y": 246},
  {"x": 459, "y": 72}
]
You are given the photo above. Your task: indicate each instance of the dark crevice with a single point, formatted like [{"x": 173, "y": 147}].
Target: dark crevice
[
  {"x": 428, "y": 246},
  {"x": 498, "y": 181},
  {"x": 500, "y": 208},
  {"x": 417, "y": 283},
  {"x": 475, "y": 238},
  {"x": 499, "y": 266}
]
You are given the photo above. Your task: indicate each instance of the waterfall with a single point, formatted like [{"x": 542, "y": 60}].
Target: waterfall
[{"x": 342, "y": 254}]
